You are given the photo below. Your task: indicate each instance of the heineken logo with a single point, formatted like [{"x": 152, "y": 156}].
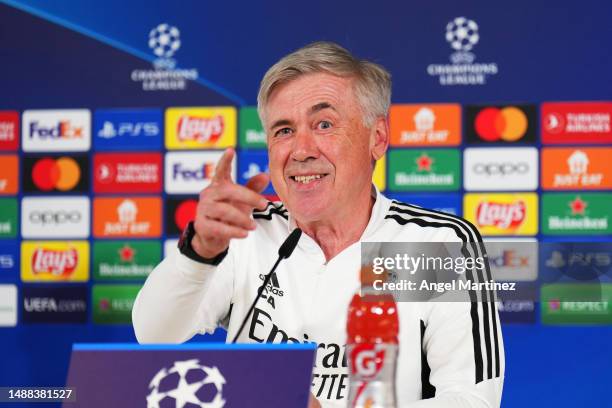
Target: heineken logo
[
  {"x": 412, "y": 170},
  {"x": 125, "y": 260},
  {"x": 584, "y": 213}
]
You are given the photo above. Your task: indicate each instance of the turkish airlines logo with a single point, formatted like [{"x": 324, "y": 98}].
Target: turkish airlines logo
[
  {"x": 506, "y": 124},
  {"x": 570, "y": 168},
  {"x": 190, "y": 172},
  {"x": 56, "y": 130},
  {"x": 485, "y": 168},
  {"x": 56, "y": 174},
  {"x": 577, "y": 122},
  {"x": 125, "y": 172},
  {"x": 54, "y": 261},
  {"x": 127, "y": 217},
  {"x": 55, "y": 217},
  {"x": 9, "y": 126}
]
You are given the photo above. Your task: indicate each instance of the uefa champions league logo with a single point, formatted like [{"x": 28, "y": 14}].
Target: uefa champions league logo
[
  {"x": 164, "y": 41},
  {"x": 186, "y": 383},
  {"x": 462, "y": 35}
]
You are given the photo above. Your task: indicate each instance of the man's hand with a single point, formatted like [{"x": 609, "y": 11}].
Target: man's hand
[
  {"x": 224, "y": 209},
  {"x": 313, "y": 402}
]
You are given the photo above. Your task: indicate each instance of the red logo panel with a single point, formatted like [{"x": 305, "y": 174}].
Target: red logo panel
[
  {"x": 9, "y": 130},
  {"x": 127, "y": 173},
  {"x": 577, "y": 122}
]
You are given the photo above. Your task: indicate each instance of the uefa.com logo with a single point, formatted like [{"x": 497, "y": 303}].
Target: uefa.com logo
[
  {"x": 164, "y": 41},
  {"x": 462, "y": 35}
]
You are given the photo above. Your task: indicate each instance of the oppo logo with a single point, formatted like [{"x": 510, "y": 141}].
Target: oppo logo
[
  {"x": 57, "y": 217},
  {"x": 503, "y": 169}
]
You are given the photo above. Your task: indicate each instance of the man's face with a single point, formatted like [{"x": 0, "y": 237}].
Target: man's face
[{"x": 319, "y": 149}]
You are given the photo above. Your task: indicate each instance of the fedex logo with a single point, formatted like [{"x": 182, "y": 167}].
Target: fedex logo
[
  {"x": 127, "y": 129},
  {"x": 56, "y": 130},
  {"x": 190, "y": 172}
]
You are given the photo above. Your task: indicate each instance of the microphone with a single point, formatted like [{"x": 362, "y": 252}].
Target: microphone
[{"x": 284, "y": 252}]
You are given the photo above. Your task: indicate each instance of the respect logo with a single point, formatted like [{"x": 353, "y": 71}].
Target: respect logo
[
  {"x": 56, "y": 130},
  {"x": 576, "y": 168},
  {"x": 425, "y": 125},
  {"x": 500, "y": 124},
  {"x": 127, "y": 217},
  {"x": 44, "y": 261},
  {"x": 503, "y": 214},
  {"x": 55, "y": 174},
  {"x": 196, "y": 128}
]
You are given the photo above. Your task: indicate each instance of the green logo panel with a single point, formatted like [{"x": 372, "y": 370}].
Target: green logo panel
[
  {"x": 8, "y": 217},
  {"x": 251, "y": 134},
  {"x": 424, "y": 170},
  {"x": 576, "y": 213},
  {"x": 576, "y": 303},
  {"x": 125, "y": 260},
  {"x": 112, "y": 304}
]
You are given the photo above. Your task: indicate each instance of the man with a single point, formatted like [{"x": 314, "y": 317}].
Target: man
[{"x": 325, "y": 116}]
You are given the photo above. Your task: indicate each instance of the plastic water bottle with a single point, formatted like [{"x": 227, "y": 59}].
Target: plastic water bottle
[{"x": 372, "y": 346}]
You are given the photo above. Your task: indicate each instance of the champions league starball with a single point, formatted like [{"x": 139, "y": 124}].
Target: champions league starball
[
  {"x": 186, "y": 384},
  {"x": 164, "y": 40},
  {"x": 462, "y": 34}
]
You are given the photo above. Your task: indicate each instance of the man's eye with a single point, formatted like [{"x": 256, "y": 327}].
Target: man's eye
[
  {"x": 324, "y": 124},
  {"x": 283, "y": 132}
]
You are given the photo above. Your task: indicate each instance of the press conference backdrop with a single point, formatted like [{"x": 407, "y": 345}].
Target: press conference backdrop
[{"x": 113, "y": 115}]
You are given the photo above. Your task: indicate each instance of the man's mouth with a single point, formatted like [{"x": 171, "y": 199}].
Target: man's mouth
[{"x": 306, "y": 179}]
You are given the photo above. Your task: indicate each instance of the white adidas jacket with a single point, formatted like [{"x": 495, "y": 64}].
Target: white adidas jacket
[{"x": 451, "y": 354}]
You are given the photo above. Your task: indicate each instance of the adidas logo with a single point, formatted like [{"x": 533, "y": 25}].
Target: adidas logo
[{"x": 272, "y": 289}]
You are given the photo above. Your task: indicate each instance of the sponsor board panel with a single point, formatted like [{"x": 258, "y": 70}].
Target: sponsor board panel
[
  {"x": 447, "y": 203},
  {"x": 576, "y": 122},
  {"x": 127, "y": 217},
  {"x": 576, "y": 168},
  {"x": 9, "y": 174},
  {"x": 179, "y": 211},
  {"x": 127, "y": 173},
  {"x": 514, "y": 260},
  {"x": 54, "y": 261},
  {"x": 128, "y": 129},
  {"x": 54, "y": 304},
  {"x": 8, "y": 305},
  {"x": 125, "y": 260},
  {"x": 9, "y": 130},
  {"x": 424, "y": 170},
  {"x": 565, "y": 303},
  {"x": 8, "y": 217},
  {"x": 251, "y": 163},
  {"x": 252, "y": 134},
  {"x": 55, "y": 217},
  {"x": 500, "y": 124},
  {"x": 56, "y": 130},
  {"x": 190, "y": 172},
  {"x": 575, "y": 262},
  {"x": 576, "y": 213},
  {"x": 425, "y": 125},
  {"x": 379, "y": 177},
  {"x": 200, "y": 127},
  {"x": 9, "y": 259},
  {"x": 55, "y": 174},
  {"x": 501, "y": 213},
  {"x": 112, "y": 304},
  {"x": 504, "y": 168}
]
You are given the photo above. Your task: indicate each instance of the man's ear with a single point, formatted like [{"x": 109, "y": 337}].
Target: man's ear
[{"x": 379, "y": 138}]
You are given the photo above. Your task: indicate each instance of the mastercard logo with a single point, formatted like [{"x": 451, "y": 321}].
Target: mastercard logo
[
  {"x": 62, "y": 174},
  {"x": 506, "y": 124},
  {"x": 185, "y": 212}
]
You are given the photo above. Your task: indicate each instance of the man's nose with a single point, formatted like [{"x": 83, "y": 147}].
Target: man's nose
[{"x": 304, "y": 146}]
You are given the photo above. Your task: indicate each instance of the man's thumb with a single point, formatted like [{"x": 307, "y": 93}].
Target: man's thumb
[{"x": 258, "y": 183}]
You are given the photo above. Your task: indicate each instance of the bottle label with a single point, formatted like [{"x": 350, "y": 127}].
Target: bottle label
[{"x": 372, "y": 375}]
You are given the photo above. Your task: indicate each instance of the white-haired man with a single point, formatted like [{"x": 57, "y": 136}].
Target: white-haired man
[{"x": 325, "y": 116}]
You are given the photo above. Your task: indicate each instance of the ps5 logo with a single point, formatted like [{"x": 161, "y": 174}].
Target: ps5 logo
[{"x": 133, "y": 129}]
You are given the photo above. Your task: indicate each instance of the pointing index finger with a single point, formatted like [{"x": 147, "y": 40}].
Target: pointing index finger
[{"x": 223, "y": 170}]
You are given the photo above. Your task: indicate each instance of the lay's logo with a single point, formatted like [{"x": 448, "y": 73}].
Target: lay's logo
[
  {"x": 503, "y": 214},
  {"x": 43, "y": 261},
  {"x": 196, "y": 128},
  {"x": 56, "y": 130}
]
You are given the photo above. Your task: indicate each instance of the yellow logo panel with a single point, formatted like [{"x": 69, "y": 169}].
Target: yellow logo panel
[
  {"x": 502, "y": 214},
  {"x": 379, "y": 177},
  {"x": 200, "y": 128},
  {"x": 54, "y": 261}
]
